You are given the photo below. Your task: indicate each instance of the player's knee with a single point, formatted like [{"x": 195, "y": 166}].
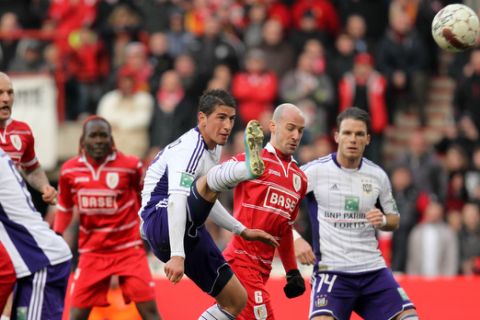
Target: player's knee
[{"x": 407, "y": 315}]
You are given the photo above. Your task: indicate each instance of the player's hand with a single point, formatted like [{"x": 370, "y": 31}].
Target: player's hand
[
  {"x": 375, "y": 217},
  {"x": 49, "y": 194},
  {"x": 304, "y": 252},
  {"x": 295, "y": 284},
  {"x": 174, "y": 269},
  {"x": 259, "y": 235}
]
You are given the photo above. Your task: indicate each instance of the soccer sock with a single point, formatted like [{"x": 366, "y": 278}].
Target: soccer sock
[
  {"x": 227, "y": 175},
  {"x": 216, "y": 313}
]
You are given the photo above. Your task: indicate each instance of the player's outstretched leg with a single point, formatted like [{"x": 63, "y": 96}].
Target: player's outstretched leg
[
  {"x": 253, "y": 141},
  {"x": 229, "y": 174}
]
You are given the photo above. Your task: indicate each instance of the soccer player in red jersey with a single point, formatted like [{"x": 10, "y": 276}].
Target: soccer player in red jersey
[
  {"x": 17, "y": 141},
  {"x": 103, "y": 185},
  {"x": 270, "y": 203}
]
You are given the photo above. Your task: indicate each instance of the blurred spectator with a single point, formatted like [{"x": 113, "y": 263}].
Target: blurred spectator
[
  {"x": 29, "y": 57},
  {"x": 173, "y": 114},
  {"x": 469, "y": 237},
  {"x": 8, "y": 46},
  {"x": 137, "y": 64},
  {"x": 255, "y": 89},
  {"x": 280, "y": 56},
  {"x": 455, "y": 164},
  {"x": 462, "y": 133},
  {"x": 212, "y": 49},
  {"x": 433, "y": 246},
  {"x": 129, "y": 111},
  {"x": 428, "y": 174},
  {"x": 186, "y": 68},
  {"x": 68, "y": 16},
  {"x": 252, "y": 35},
  {"x": 365, "y": 88},
  {"x": 356, "y": 28},
  {"x": 123, "y": 25},
  {"x": 312, "y": 90},
  {"x": 472, "y": 176},
  {"x": 467, "y": 95},
  {"x": 401, "y": 57},
  {"x": 406, "y": 196},
  {"x": 342, "y": 57},
  {"x": 374, "y": 12},
  {"x": 307, "y": 30},
  {"x": 89, "y": 67},
  {"x": 222, "y": 78},
  {"x": 325, "y": 14},
  {"x": 159, "y": 58},
  {"x": 179, "y": 40}
]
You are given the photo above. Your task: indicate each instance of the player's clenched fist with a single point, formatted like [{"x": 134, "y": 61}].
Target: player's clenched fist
[
  {"x": 49, "y": 194},
  {"x": 376, "y": 218},
  {"x": 174, "y": 269}
]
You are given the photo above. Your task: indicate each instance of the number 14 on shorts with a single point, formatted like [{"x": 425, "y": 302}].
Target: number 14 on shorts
[{"x": 327, "y": 280}]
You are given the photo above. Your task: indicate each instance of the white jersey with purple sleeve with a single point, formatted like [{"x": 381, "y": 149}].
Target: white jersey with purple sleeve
[
  {"x": 29, "y": 241},
  {"x": 176, "y": 167},
  {"x": 338, "y": 199}
]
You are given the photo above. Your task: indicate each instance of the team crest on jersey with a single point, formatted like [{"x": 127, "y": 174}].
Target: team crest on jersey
[
  {"x": 112, "y": 179},
  {"x": 16, "y": 142},
  {"x": 260, "y": 312},
  {"x": 367, "y": 187},
  {"x": 321, "y": 301},
  {"x": 297, "y": 182}
]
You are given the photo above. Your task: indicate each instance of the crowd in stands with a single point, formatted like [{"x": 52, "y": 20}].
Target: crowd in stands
[{"x": 143, "y": 64}]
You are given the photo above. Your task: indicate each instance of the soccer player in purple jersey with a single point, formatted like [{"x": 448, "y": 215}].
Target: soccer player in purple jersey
[
  {"x": 40, "y": 257},
  {"x": 176, "y": 200},
  {"x": 343, "y": 190}
]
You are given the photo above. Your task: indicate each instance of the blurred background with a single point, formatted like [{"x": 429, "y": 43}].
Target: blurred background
[{"x": 142, "y": 64}]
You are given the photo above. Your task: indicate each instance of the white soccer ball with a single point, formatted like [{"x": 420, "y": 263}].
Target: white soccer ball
[{"x": 455, "y": 28}]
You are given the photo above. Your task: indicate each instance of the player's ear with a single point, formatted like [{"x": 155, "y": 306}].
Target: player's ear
[
  {"x": 369, "y": 138},
  {"x": 335, "y": 136},
  {"x": 202, "y": 118},
  {"x": 271, "y": 126}
]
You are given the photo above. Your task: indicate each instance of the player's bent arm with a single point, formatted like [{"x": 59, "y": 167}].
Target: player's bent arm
[
  {"x": 177, "y": 219},
  {"x": 303, "y": 250},
  {"x": 383, "y": 221},
  {"x": 224, "y": 219},
  {"x": 39, "y": 181},
  {"x": 62, "y": 221}
]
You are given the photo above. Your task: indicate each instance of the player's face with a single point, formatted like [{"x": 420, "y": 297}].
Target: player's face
[
  {"x": 352, "y": 138},
  {"x": 98, "y": 140},
  {"x": 216, "y": 127},
  {"x": 6, "y": 98},
  {"x": 287, "y": 132}
]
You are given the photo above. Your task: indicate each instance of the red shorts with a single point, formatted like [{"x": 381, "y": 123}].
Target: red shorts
[
  {"x": 7, "y": 276},
  {"x": 258, "y": 303},
  {"x": 91, "y": 280}
]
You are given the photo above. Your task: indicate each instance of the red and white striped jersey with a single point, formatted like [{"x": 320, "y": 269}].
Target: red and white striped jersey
[
  {"x": 16, "y": 139},
  {"x": 270, "y": 203},
  {"x": 107, "y": 199}
]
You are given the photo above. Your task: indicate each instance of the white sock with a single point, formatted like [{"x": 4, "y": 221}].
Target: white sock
[
  {"x": 216, "y": 313},
  {"x": 227, "y": 175}
]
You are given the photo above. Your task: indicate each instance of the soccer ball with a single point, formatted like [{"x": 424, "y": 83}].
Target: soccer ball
[{"x": 455, "y": 28}]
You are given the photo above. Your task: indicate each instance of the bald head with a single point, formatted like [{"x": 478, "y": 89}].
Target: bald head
[
  {"x": 4, "y": 76},
  {"x": 286, "y": 109},
  {"x": 286, "y": 126}
]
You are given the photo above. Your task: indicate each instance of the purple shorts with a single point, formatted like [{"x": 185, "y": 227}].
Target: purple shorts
[
  {"x": 374, "y": 295},
  {"x": 204, "y": 263},
  {"x": 42, "y": 294}
]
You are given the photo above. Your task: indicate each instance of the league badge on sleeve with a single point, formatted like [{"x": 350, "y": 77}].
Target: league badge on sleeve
[
  {"x": 16, "y": 141},
  {"x": 112, "y": 180},
  {"x": 297, "y": 182}
]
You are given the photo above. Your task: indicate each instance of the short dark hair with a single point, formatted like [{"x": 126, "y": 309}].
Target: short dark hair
[
  {"x": 356, "y": 114},
  {"x": 213, "y": 98}
]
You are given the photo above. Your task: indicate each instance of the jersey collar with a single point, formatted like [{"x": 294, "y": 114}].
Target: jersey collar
[
  {"x": 110, "y": 157},
  {"x": 334, "y": 158},
  {"x": 271, "y": 149}
]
